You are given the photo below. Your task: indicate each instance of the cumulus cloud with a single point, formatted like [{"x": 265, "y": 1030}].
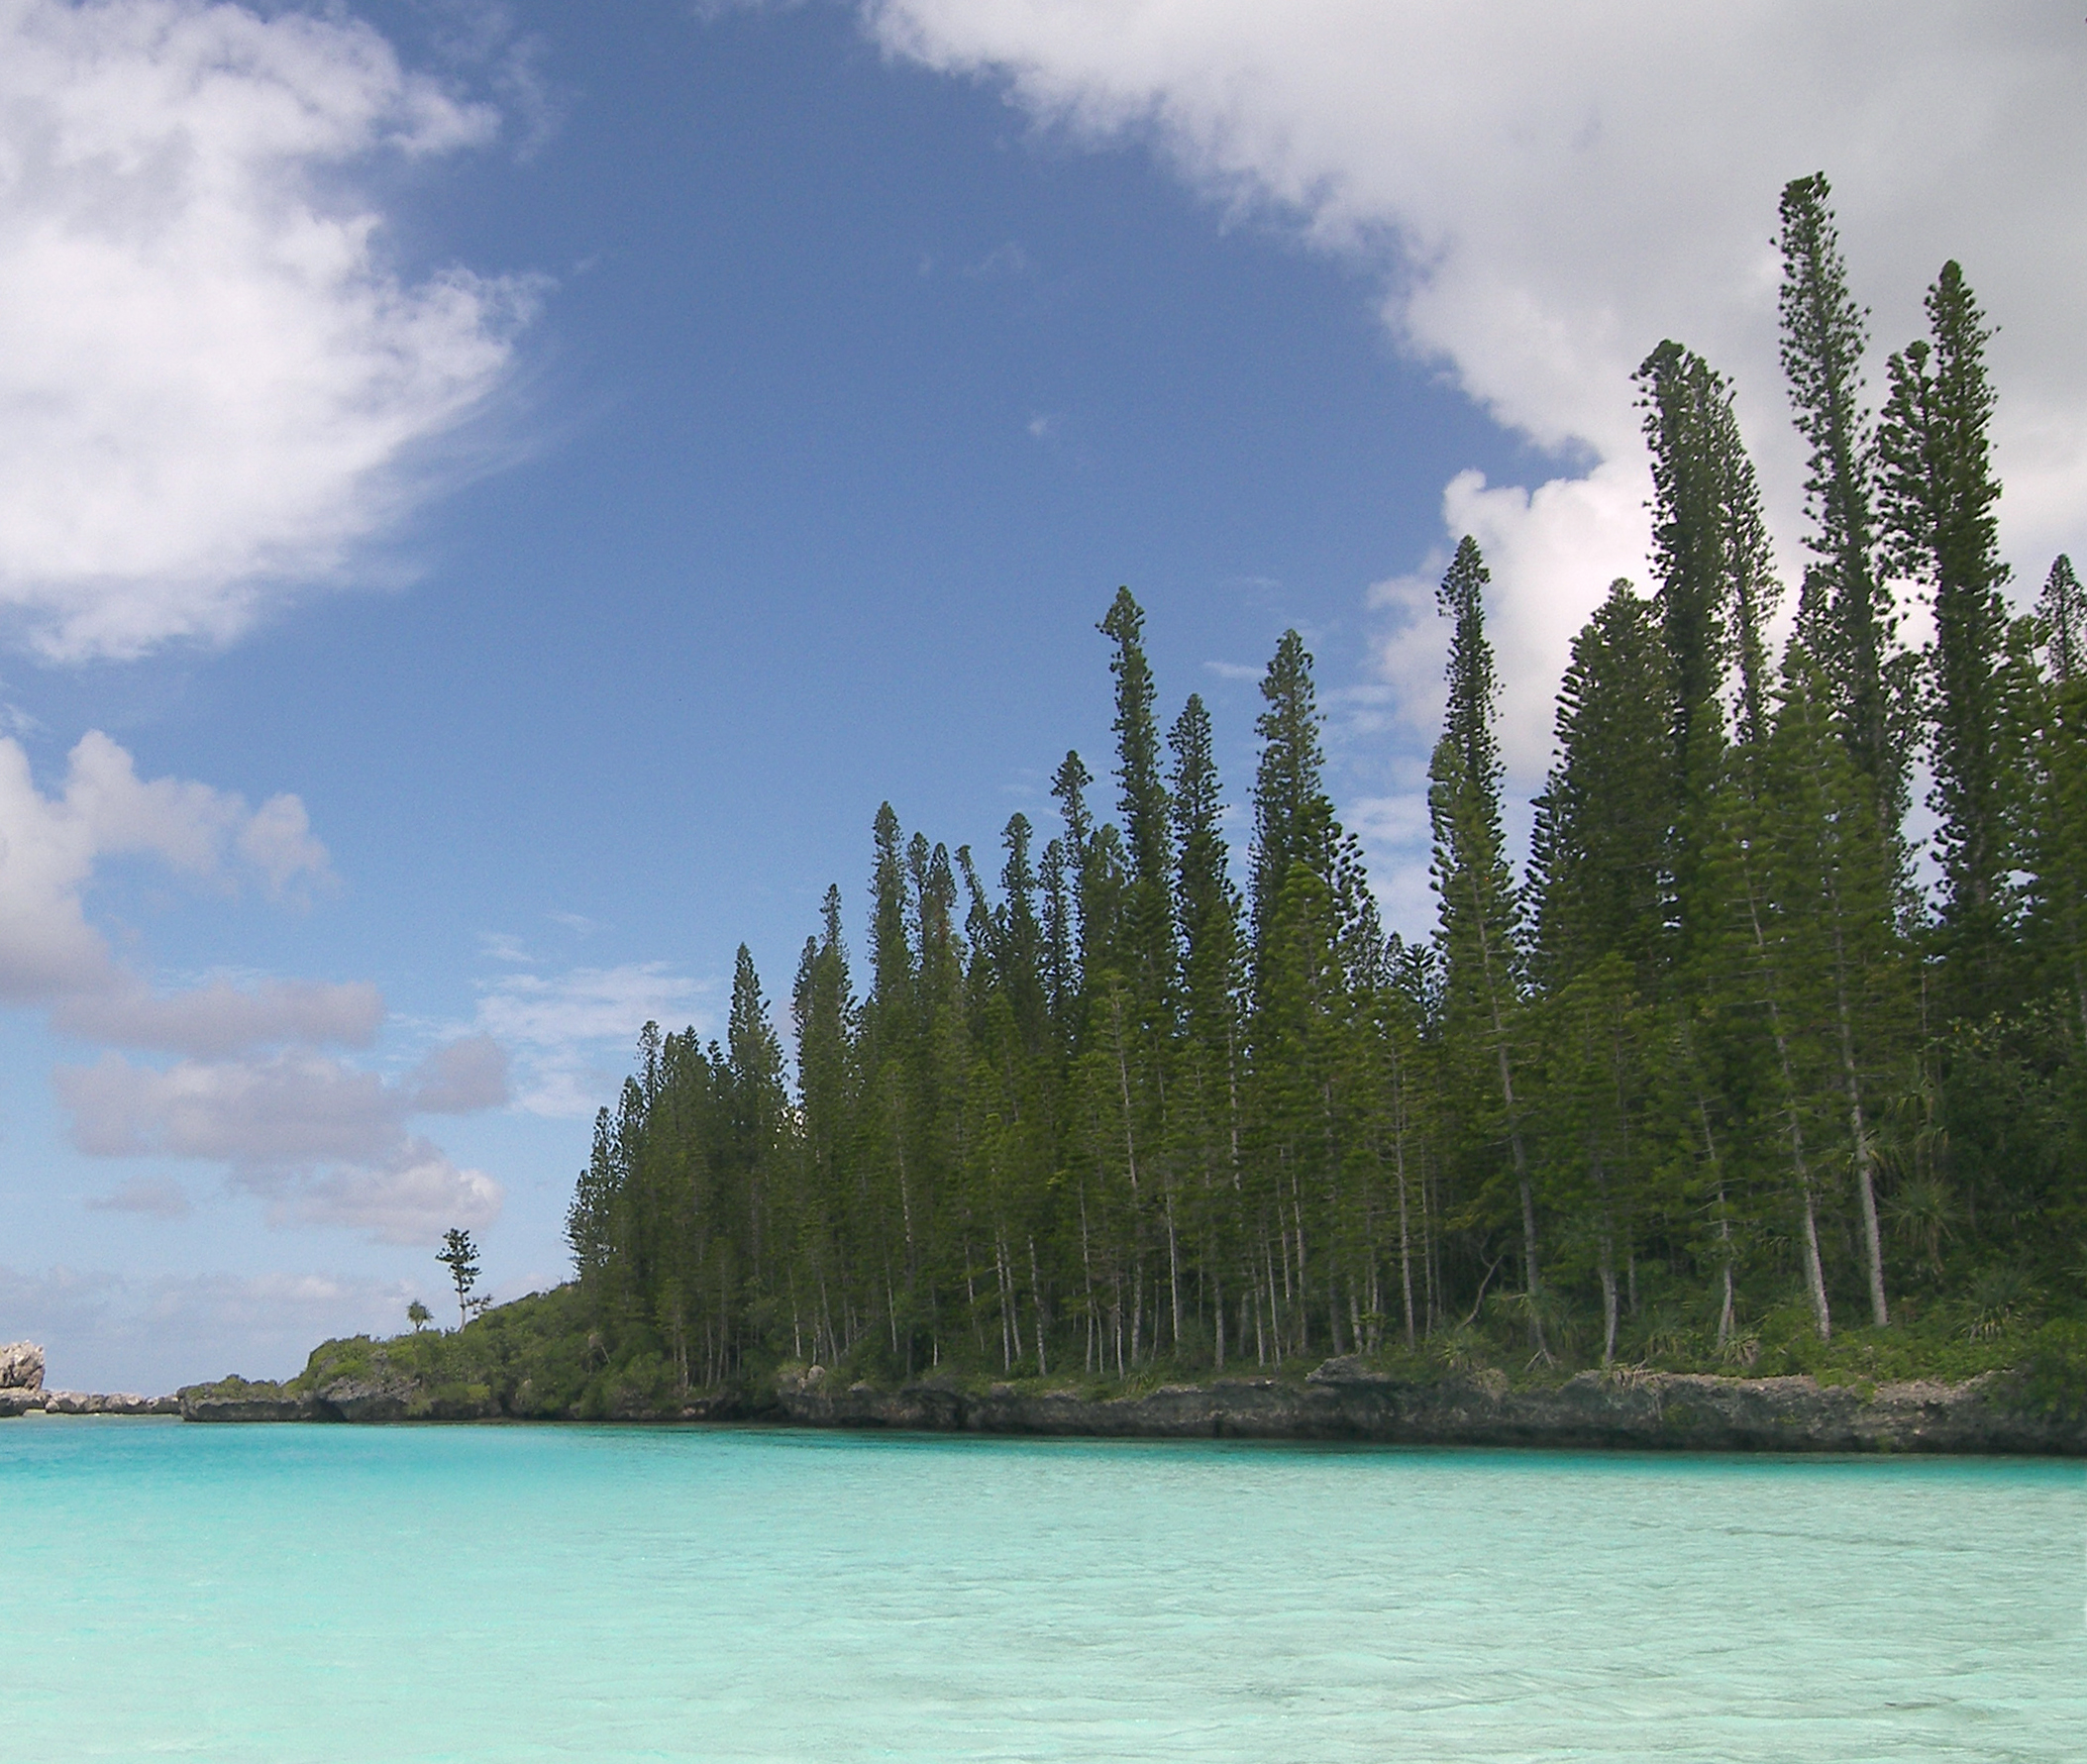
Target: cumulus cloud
[
  {"x": 288, "y": 1108},
  {"x": 324, "y": 1142},
  {"x": 250, "y": 1086},
  {"x": 1547, "y": 191},
  {"x": 50, "y": 846},
  {"x": 573, "y": 1031},
  {"x": 1540, "y": 546},
  {"x": 213, "y": 385},
  {"x": 413, "y": 1196},
  {"x": 218, "y": 1018}
]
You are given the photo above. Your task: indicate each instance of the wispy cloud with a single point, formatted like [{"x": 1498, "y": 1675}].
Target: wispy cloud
[
  {"x": 160, "y": 1197},
  {"x": 571, "y": 1033},
  {"x": 1008, "y": 260},
  {"x": 412, "y": 1196}
]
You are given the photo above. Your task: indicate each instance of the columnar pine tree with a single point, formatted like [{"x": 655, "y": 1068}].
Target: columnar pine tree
[
  {"x": 1939, "y": 494},
  {"x": 1145, "y": 956},
  {"x": 1479, "y": 910},
  {"x": 2063, "y": 610},
  {"x": 1292, "y": 815},
  {"x": 1207, "y": 914},
  {"x": 1718, "y": 588},
  {"x": 1599, "y": 850},
  {"x": 1846, "y": 605},
  {"x": 823, "y": 1012},
  {"x": 2057, "y": 842},
  {"x": 1710, "y": 552}
]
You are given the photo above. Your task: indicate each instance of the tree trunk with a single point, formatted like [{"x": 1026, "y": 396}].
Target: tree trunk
[{"x": 1815, "y": 1273}]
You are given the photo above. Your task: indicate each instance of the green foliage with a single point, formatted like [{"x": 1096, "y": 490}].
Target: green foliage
[
  {"x": 2056, "y": 1370},
  {"x": 1846, "y": 610},
  {"x": 1939, "y": 494}
]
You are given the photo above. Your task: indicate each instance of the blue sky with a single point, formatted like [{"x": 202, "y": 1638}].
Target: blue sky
[{"x": 589, "y": 460}]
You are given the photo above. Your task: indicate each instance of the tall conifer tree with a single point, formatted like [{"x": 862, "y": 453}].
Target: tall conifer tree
[
  {"x": 1939, "y": 494},
  {"x": 1846, "y": 604},
  {"x": 1292, "y": 815},
  {"x": 1206, "y": 910},
  {"x": 1600, "y": 839},
  {"x": 1480, "y": 912}
]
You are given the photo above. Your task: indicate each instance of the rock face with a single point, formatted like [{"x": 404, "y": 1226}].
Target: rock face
[
  {"x": 242, "y": 1399},
  {"x": 1671, "y": 1412},
  {"x": 380, "y": 1399},
  {"x": 21, "y": 1366}
]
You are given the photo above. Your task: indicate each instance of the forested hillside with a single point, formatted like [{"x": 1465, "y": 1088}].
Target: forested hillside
[{"x": 1734, "y": 1068}]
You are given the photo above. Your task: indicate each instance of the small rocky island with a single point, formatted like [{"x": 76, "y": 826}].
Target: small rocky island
[{"x": 22, "y": 1391}]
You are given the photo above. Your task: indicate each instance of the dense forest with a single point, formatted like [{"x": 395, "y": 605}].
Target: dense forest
[{"x": 1739, "y": 1067}]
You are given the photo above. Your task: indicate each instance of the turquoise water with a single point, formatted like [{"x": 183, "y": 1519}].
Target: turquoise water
[{"x": 513, "y": 1593}]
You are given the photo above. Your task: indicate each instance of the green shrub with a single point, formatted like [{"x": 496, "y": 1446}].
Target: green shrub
[{"x": 2056, "y": 1369}]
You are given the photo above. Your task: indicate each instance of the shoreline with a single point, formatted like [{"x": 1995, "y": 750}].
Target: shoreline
[
  {"x": 1340, "y": 1401},
  {"x": 17, "y": 1403}
]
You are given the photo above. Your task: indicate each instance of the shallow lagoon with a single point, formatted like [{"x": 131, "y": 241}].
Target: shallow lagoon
[{"x": 509, "y": 1594}]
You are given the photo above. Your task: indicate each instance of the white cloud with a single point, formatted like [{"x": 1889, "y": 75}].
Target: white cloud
[
  {"x": 573, "y": 1033},
  {"x": 212, "y": 386},
  {"x": 324, "y": 1141},
  {"x": 1547, "y": 191},
  {"x": 286, "y": 1108},
  {"x": 413, "y": 1196},
  {"x": 1540, "y": 545},
  {"x": 460, "y": 1078},
  {"x": 218, "y": 1018},
  {"x": 1002, "y": 260},
  {"x": 50, "y": 846},
  {"x": 271, "y": 1111}
]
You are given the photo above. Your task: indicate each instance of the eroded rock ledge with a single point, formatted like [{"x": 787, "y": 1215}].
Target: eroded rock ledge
[{"x": 1342, "y": 1400}]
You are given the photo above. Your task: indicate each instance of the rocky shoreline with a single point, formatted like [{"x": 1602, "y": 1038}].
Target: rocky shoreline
[
  {"x": 1342, "y": 1400},
  {"x": 22, "y": 1391},
  {"x": 85, "y": 1402}
]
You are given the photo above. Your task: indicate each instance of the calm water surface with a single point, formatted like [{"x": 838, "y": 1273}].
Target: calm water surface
[{"x": 510, "y": 1593}]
